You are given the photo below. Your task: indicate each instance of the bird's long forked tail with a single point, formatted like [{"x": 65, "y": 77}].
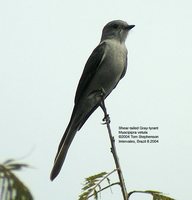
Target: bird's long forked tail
[
  {"x": 78, "y": 118},
  {"x": 62, "y": 150}
]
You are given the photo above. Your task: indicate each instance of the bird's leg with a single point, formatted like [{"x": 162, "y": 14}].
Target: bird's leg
[{"x": 106, "y": 118}]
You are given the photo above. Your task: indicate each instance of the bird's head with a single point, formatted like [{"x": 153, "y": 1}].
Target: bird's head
[{"x": 116, "y": 29}]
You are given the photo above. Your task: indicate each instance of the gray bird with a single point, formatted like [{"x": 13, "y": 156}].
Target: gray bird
[{"x": 103, "y": 70}]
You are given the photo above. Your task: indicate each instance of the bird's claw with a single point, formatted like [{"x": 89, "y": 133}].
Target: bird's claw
[
  {"x": 101, "y": 92},
  {"x": 106, "y": 120}
]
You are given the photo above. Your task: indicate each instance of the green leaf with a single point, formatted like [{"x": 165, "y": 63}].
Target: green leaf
[
  {"x": 11, "y": 188},
  {"x": 90, "y": 185},
  {"x": 95, "y": 194},
  {"x": 158, "y": 195}
]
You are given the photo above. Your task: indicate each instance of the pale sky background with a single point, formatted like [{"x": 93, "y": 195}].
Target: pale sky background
[{"x": 44, "y": 45}]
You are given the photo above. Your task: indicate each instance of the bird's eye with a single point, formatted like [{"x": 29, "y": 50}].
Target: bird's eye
[{"x": 115, "y": 26}]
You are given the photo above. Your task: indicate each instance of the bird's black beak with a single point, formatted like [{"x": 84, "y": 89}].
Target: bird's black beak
[{"x": 129, "y": 27}]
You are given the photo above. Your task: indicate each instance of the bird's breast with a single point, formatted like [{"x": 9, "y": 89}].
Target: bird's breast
[
  {"x": 114, "y": 62},
  {"x": 115, "y": 57},
  {"x": 110, "y": 69}
]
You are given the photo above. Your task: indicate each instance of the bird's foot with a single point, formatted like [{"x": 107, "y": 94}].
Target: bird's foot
[
  {"x": 106, "y": 119},
  {"x": 101, "y": 92}
]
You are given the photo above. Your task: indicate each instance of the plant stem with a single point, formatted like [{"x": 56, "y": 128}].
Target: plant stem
[
  {"x": 137, "y": 191},
  {"x": 114, "y": 152},
  {"x": 105, "y": 177},
  {"x": 117, "y": 183}
]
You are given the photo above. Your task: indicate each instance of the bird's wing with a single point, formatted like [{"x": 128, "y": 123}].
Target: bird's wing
[{"x": 90, "y": 69}]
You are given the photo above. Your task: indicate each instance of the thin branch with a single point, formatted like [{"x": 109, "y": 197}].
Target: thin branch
[
  {"x": 117, "y": 183},
  {"x": 155, "y": 194},
  {"x": 136, "y": 191},
  {"x": 114, "y": 152},
  {"x": 103, "y": 179}
]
